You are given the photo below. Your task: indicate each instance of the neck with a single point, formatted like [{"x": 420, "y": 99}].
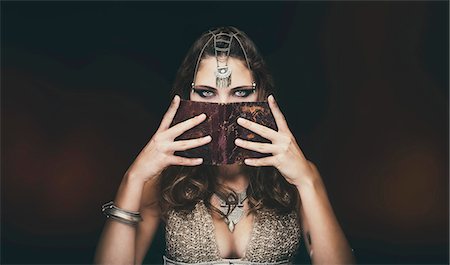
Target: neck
[{"x": 233, "y": 176}]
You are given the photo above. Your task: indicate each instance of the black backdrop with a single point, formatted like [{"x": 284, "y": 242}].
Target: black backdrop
[{"x": 363, "y": 85}]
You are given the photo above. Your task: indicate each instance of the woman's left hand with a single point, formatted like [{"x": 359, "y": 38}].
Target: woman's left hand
[{"x": 286, "y": 154}]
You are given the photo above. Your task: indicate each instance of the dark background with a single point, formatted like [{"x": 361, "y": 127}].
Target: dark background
[{"x": 363, "y": 85}]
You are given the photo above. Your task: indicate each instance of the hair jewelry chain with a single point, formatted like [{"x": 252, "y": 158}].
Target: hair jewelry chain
[
  {"x": 223, "y": 73},
  {"x": 222, "y": 47}
]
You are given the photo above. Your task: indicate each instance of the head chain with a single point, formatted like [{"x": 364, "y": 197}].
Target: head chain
[{"x": 227, "y": 50}]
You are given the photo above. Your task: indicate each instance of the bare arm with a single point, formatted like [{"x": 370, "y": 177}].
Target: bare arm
[
  {"x": 125, "y": 244},
  {"x": 323, "y": 235},
  {"x": 117, "y": 242},
  {"x": 328, "y": 242},
  {"x": 151, "y": 215}
]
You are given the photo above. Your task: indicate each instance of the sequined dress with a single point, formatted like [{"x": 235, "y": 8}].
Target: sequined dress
[{"x": 190, "y": 238}]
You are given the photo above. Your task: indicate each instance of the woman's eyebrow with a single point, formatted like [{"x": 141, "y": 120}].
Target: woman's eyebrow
[
  {"x": 213, "y": 88},
  {"x": 204, "y": 86}
]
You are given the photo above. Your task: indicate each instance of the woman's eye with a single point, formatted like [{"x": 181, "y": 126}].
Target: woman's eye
[
  {"x": 204, "y": 93},
  {"x": 244, "y": 93}
]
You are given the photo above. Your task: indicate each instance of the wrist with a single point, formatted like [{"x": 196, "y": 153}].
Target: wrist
[
  {"x": 129, "y": 194},
  {"x": 313, "y": 184},
  {"x": 132, "y": 179}
]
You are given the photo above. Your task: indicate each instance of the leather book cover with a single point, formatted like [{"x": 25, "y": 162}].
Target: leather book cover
[{"x": 221, "y": 124}]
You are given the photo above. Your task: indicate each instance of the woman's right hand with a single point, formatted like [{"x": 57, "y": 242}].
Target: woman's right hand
[{"x": 159, "y": 151}]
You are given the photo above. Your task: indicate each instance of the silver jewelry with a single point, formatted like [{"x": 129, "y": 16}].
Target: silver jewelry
[
  {"x": 223, "y": 76},
  {"x": 222, "y": 46},
  {"x": 121, "y": 215},
  {"x": 233, "y": 217}
]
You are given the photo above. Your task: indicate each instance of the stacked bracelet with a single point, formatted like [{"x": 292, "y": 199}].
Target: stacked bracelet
[{"x": 127, "y": 217}]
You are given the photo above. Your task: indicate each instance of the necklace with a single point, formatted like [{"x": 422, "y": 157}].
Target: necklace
[{"x": 236, "y": 214}]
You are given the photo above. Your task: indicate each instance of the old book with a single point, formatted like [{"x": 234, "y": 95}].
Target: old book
[{"x": 221, "y": 124}]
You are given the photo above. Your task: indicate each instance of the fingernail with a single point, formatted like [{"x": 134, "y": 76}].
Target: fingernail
[
  {"x": 208, "y": 137},
  {"x": 271, "y": 98},
  {"x": 242, "y": 121},
  {"x": 238, "y": 141},
  {"x": 201, "y": 116}
]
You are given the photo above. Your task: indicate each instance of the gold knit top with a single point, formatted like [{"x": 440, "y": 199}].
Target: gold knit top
[{"x": 190, "y": 238}]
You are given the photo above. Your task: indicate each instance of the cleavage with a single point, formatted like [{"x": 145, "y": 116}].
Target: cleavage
[{"x": 232, "y": 245}]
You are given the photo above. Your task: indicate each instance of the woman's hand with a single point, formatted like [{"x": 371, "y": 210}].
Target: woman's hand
[
  {"x": 159, "y": 151},
  {"x": 286, "y": 154}
]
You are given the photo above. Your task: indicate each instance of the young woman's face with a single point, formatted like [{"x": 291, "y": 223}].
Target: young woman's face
[{"x": 205, "y": 83}]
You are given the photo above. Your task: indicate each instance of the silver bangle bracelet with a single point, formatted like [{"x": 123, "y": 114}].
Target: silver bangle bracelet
[
  {"x": 125, "y": 221},
  {"x": 124, "y": 216},
  {"x": 111, "y": 205}
]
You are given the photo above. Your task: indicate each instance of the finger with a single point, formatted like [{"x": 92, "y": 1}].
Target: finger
[
  {"x": 184, "y": 161},
  {"x": 181, "y": 127},
  {"x": 168, "y": 117},
  {"x": 278, "y": 115},
  {"x": 256, "y": 146},
  {"x": 260, "y": 162},
  {"x": 264, "y": 131},
  {"x": 183, "y": 145}
]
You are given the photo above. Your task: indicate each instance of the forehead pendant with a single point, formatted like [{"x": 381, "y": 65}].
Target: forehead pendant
[
  {"x": 223, "y": 77},
  {"x": 222, "y": 46}
]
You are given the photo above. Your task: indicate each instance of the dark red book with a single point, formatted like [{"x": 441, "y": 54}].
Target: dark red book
[{"x": 221, "y": 124}]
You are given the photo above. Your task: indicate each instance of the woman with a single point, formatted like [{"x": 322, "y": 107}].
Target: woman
[{"x": 282, "y": 195}]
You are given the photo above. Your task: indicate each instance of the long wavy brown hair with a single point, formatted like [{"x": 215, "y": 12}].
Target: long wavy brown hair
[{"x": 182, "y": 187}]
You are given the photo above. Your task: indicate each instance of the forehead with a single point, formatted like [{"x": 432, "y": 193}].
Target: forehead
[{"x": 240, "y": 74}]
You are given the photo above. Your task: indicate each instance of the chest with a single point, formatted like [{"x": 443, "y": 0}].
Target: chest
[
  {"x": 200, "y": 236},
  {"x": 234, "y": 244}
]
